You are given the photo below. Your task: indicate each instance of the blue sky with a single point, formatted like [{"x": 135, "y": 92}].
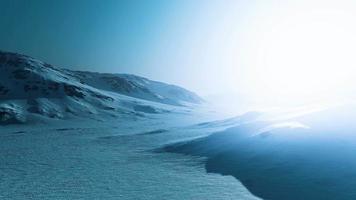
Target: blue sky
[
  {"x": 176, "y": 41},
  {"x": 258, "y": 50},
  {"x": 84, "y": 33}
]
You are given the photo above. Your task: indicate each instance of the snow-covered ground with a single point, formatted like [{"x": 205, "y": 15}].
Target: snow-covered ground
[
  {"x": 84, "y": 135},
  {"x": 115, "y": 159},
  {"x": 300, "y": 155}
]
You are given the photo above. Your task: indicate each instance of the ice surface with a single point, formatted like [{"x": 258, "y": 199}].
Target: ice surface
[
  {"x": 114, "y": 159},
  {"x": 84, "y": 135},
  {"x": 310, "y": 157}
]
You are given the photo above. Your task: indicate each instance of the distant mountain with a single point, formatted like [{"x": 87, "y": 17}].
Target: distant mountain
[
  {"x": 31, "y": 87},
  {"x": 139, "y": 87}
]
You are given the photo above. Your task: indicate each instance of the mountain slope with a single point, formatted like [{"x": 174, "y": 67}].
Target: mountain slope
[
  {"x": 32, "y": 87},
  {"x": 139, "y": 87}
]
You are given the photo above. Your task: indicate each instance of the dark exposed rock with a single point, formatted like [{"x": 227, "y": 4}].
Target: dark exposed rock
[
  {"x": 30, "y": 88},
  {"x": 21, "y": 74},
  {"x": 9, "y": 115},
  {"x": 53, "y": 86},
  {"x": 3, "y": 90},
  {"x": 73, "y": 91},
  {"x": 123, "y": 85},
  {"x": 103, "y": 97}
]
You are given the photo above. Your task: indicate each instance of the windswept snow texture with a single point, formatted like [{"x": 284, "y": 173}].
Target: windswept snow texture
[
  {"x": 98, "y": 137},
  {"x": 306, "y": 157},
  {"x": 109, "y": 159},
  {"x": 31, "y": 89}
]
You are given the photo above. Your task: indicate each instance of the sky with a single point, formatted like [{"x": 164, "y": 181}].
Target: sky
[
  {"x": 176, "y": 41},
  {"x": 276, "y": 50}
]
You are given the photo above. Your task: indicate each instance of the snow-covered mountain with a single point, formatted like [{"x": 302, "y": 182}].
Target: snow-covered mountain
[
  {"x": 138, "y": 87},
  {"x": 30, "y": 88}
]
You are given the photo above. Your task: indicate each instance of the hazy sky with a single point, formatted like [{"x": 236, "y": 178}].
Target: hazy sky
[
  {"x": 176, "y": 41},
  {"x": 281, "y": 48}
]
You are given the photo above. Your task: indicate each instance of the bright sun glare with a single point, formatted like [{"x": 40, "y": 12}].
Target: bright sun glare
[{"x": 301, "y": 55}]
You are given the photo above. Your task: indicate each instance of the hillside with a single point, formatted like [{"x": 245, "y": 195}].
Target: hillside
[{"x": 30, "y": 87}]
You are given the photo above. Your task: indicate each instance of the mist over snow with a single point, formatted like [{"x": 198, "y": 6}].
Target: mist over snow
[{"x": 178, "y": 99}]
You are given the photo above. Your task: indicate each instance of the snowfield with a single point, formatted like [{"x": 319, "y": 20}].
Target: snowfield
[
  {"x": 84, "y": 135},
  {"x": 109, "y": 159},
  {"x": 308, "y": 156}
]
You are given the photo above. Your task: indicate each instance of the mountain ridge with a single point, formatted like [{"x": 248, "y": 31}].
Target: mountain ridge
[{"x": 29, "y": 86}]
